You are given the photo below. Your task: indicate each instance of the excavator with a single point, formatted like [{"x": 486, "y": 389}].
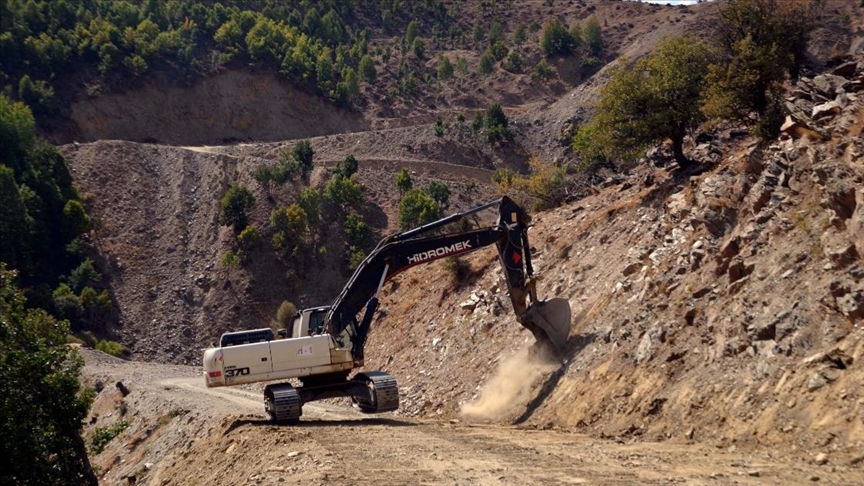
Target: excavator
[{"x": 326, "y": 343}]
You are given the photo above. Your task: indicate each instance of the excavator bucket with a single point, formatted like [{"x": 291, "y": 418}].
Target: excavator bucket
[{"x": 549, "y": 320}]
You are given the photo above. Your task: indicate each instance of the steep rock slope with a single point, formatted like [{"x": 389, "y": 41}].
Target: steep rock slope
[{"x": 723, "y": 306}]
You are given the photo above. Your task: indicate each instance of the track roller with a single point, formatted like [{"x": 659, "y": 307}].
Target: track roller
[
  {"x": 282, "y": 403},
  {"x": 383, "y": 392}
]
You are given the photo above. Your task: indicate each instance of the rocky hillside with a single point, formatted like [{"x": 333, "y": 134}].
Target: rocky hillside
[{"x": 723, "y": 306}]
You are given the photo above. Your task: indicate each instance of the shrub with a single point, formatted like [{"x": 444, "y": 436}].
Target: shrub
[
  {"x": 111, "y": 347},
  {"x": 249, "y": 238},
  {"x": 367, "y": 69},
  {"x": 445, "y": 68},
  {"x": 403, "y": 181},
  {"x": 303, "y": 155},
  {"x": 487, "y": 63},
  {"x": 556, "y": 39},
  {"x": 417, "y": 209},
  {"x": 439, "y": 192},
  {"x": 457, "y": 267},
  {"x": 284, "y": 314},
  {"x": 236, "y": 201},
  {"x": 104, "y": 435},
  {"x": 593, "y": 36},
  {"x": 229, "y": 259},
  {"x": 497, "y": 130},
  {"x": 543, "y": 71}
]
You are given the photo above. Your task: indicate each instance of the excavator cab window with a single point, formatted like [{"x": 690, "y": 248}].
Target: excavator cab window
[{"x": 316, "y": 321}]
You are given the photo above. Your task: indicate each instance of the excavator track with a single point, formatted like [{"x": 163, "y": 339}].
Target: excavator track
[
  {"x": 383, "y": 391},
  {"x": 282, "y": 403}
]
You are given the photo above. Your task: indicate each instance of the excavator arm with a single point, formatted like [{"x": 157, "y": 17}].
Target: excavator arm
[{"x": 549, "y": 321}]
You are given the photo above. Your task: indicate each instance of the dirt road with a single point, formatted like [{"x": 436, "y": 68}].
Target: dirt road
[{"x": 182, "y": 433}]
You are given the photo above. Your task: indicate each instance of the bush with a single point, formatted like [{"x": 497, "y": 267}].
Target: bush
[
  {"x": 229, "y": 259},
  {"x": 104, "y": 435},
  {"x": 284, "y": 314},
  {"x": 303, "y": 155},
  {"x": 543, "y": 71},
  {"x": 593, "y": 36},
  {"x": 417, "y": 209},
  {"x": 439, "y": 192},
  {"x": 403, "y": 181},
  {"x": 487, "y": 63},
  {"x": 457, "y": 267},
  {"x": 236, "y": 201},
  {"x": 111, "y": 347},
  {"x": 367, "y": 69},
  {"x": 249, "y": 238},
  {"x": 445, "y": 68},
  {"x": 556, "y": 39},
  {"x": 497, "y": 130}
]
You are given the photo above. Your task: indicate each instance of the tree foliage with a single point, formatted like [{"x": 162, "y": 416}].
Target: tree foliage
[
  {"x": 593, "y": 35},
  {"x": 417, "y": 209},
  {"x": 497, "y": 125},
  {"x": 556, "y": 40},
  {"x": 403, "y": 181},
  {"x": 235, "y": 204},
  {"x": 41, "y": 407},
  {"x": 657, "y": 98},
  {"x": 303, "y": 155},
  {"x": 439, "y": 192},
  {"x": 44, "y": 41},
  {"x": 762, "y": 41}
]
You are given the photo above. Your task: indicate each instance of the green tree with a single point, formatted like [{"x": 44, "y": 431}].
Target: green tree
[
  {"x": 440, "y": 192},
  {"x": 343, "y": 192},
  {"x": 357, "y": 232},
  {"x": 497, "y": 125},
  {"x": 235, "y": 203},
  {"x": 519, "y": 35},
  {"x": 418, "y": 47},
  {"x": 290, "y": 226},
  {"x": 248, "y": 239},
  {"x": 403, "y": 181},
  {"x": 762, "y": 41},
  {"x": 593, "y": 35},
  {"x": 264, "y": 175},
  {"x": 555, "y": 39},
  {"x": 347, "y": 167},
  {"x": 367, "y": 69},
  {"x": 303, "y": 155},
  {"x": 657, "y": 99},
  {"x": 310, "y": 202},
  {"x": 286, "y": 311},
  {"x": 445, "y": 68},
  {"x": 487, "y": 63},
  {"x": 417, "y": 209},
  {"x": 17, "y": 132},
  {"x": 41, "y": 406}
]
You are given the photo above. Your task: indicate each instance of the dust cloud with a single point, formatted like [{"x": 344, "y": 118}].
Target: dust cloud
[{"x": 510, "y": 387}]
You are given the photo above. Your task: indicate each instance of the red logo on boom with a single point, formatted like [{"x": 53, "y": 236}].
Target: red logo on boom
[{"x": 516, "y": 257}]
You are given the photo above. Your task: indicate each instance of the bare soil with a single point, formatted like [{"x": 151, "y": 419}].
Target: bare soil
[{"x": 183, "y": 433}]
